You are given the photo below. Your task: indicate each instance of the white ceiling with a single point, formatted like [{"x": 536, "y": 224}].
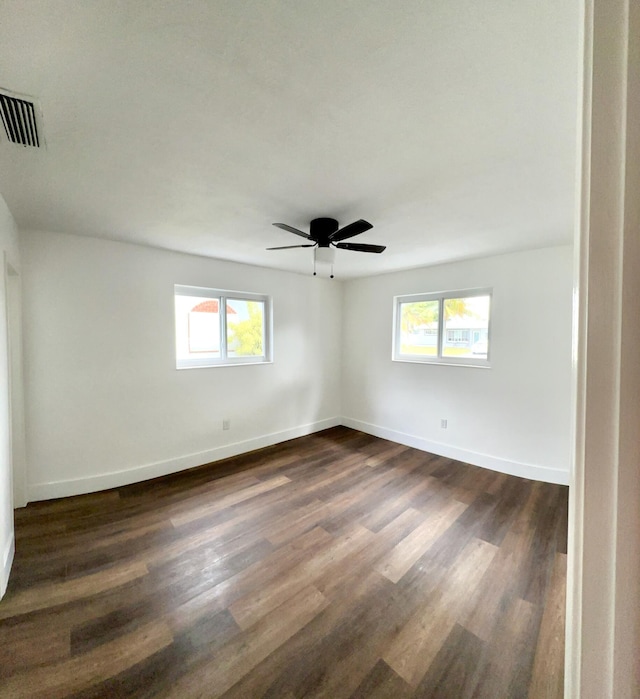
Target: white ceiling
[{"x": 449, "y": 124}]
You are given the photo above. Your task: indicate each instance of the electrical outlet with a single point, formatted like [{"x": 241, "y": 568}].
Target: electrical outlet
[
  {"x": 226, "y": 424},
  {"x": 443, "y": 424}
]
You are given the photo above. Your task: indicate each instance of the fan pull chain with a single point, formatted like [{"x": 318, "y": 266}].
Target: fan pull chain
[{"x": 314, "y": 268}]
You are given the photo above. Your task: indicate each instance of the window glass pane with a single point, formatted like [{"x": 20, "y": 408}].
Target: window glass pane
[
  {"x": 466, "y": 327},
  {"x": 245, "y": 328},
  {"x": 419, "y": 327},
  {"x": 197, "y": 327}
]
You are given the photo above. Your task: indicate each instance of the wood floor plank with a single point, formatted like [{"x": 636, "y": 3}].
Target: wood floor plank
[
  {"x": 548, "y": 674},
  {"x": 223, "y": 594},
  {"x": 361, "y": 562},
  {"x": 30, "y": 644},
  {"x": 45, "y": 596},
  {"x": 409, "y": 550},
  {"x": 253, "y": 606},
  {"x": 455, "y": 669},
  {"x": 351, "y": 499},
  {"x": 332, "y": 654},
  {"x": 229, "y": 500},
  {"x": 382, "y": 683},
  {"x": 337, "y": 565},
  {"x": 541, "y": 561},
  {"x": 415, "y": 647},
  {"x": 214, "y": 677},
  {"x": 377, "y": 518},
  {"x": 507, "y": 669},
  {"x": 504, "y": 577},
  {"x": 383, "y": 455},
  {"x": 295, "y": 523},
  {"x": 145, "y": 680},
  {"x": 84, "y": 670}
]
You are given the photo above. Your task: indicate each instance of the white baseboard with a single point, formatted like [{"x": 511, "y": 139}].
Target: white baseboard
[
  {"x": 115, "y": 479},
  {"x": 495, "y": 463},
  {"x": 7, "y": 561}
]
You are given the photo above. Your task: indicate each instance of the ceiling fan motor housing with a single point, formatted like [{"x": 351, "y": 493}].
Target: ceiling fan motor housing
[{"x": 321, "y": 228}]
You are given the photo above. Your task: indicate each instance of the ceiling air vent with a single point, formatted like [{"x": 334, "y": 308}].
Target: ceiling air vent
[{"x": 19, "y": 120}]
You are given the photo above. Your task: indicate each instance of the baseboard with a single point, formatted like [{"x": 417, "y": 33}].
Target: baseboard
[
  {"x": 7, "y": 561},
  {"x": 513, "y": 468},
  {"x": 115, "y": 479},
  {"x": 104, "y": 481}
]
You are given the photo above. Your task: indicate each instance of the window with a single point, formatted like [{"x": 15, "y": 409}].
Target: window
[
  {"x": 445, "y": 328},
  {"x": 216, "y": 327}
]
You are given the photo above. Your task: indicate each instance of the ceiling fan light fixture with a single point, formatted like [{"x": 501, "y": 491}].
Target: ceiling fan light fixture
[{"x": 324, "y": 255}]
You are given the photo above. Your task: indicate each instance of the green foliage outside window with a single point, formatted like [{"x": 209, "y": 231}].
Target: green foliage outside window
[
  {"x": 421, "y": 313},
  {"x": 245, "y": 337}
]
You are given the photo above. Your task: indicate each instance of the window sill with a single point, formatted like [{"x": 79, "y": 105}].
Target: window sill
[
  {"x": 443, "y": 362},
  {"x": 224, "y": 364}
]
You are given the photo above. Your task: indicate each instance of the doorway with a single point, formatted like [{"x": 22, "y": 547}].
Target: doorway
[{"x": 17, "y": 450}]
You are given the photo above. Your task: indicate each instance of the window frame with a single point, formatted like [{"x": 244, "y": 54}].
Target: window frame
[
  {"x": 222, "y": 296},
  {"x": 439, "y": 358}
]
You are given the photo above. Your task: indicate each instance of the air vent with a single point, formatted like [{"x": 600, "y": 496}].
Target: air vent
[{"x": 19, "y": 120}]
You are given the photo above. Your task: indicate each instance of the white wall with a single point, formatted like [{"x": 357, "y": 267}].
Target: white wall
[
  {"x": 8, "y": 252},
  {"x": 515, "y": 416},
  {"x": 105, "y": 404}
]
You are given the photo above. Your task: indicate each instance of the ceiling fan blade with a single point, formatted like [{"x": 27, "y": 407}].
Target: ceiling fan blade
[
  {"x": 288, "y": 247},
  {"x": 361, "y": 247},
  {"x": 291, "y": 229},
  {"x": 349, "y": 231}
]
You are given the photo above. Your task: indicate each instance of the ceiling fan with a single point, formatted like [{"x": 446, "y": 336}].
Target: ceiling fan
[{"x": 324, "y": 235}]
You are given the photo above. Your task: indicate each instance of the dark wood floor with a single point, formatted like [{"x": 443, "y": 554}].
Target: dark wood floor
[{"x": 336, "y": 565}]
